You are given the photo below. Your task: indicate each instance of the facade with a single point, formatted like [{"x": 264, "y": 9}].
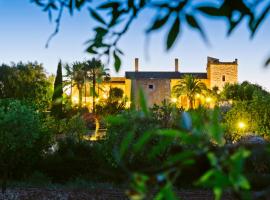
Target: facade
[{"x": 157, "y": 86}]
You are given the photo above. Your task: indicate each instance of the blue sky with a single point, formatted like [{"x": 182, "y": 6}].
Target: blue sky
[{"x": 24, "y": 29}]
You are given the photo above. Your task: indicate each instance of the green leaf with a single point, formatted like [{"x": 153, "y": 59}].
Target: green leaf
[
  {"x": 125, "y": 143},
  {"x": 142, "y": 141},
  {"x": 96, "y": 16},
  {"x": 117, "y": 62},
  {"x": 267, "y": 62},
  {"x": 173, "y": 33},
  {"x": 212, "y": 11},
  {"x": 158, "y": 23},
  {"x": 143, "y": 102},
  {"x": 217, "y": 193},
  {"x": 166, "y": 193},
  {"x": 111, "y": 4}
]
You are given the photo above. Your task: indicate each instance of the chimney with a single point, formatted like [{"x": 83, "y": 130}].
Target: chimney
[
  {"x": 176, "y": 64},
  {"x": 136, "y": 64},
  {"x": 236, "y": 60}
]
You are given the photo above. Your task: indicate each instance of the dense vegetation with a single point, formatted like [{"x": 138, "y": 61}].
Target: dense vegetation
[{"x": 153, "y": 149}]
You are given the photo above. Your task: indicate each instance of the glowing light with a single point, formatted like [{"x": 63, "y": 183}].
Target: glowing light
[
  {"x": 174, "y": 100},
  {"x": 208, "y": 99},
  {"x": 128, "y": 103},
  {"x": 75, "y": 99},
  {"x": 105, "y": 96},
  {"x": 241, "y": 125},
  {"x": 97, "y": 99},
  {"x": 198, "y": 95}
]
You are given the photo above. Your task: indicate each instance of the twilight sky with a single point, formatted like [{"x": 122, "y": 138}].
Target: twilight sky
[{"x": 24, "y": 29}]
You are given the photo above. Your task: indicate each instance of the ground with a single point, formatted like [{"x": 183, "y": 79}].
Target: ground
[{"x": 91, "y": 194}]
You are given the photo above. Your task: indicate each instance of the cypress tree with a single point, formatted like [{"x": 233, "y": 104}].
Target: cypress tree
[{"x": 57, "y": 99}]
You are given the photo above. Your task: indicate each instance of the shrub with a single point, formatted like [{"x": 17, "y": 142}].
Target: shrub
[
  {"x": 167, "y": 115},
  {"x": 254, "y": 114},
  {"x": 74, "y": 159},
  {"x": 23, "y": 138}
]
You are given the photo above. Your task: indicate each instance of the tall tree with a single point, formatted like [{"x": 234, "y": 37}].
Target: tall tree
[
  {"x": 189, "y": 86},
  {"x": 27, "y": 82},
  {"x": 96, "y": 73},
  {"x": 57, "y": 99},
  {"x": 76, "y": 75}
]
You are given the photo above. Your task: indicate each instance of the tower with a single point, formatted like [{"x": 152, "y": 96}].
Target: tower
[{"x": 219, "y": 73}]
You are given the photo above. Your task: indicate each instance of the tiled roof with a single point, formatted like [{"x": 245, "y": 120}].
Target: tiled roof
[{"x": 163, "y": 75}]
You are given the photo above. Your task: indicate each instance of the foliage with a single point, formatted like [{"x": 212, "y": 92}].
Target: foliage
[
  {"x": 112, "y": 28},
  {"x": 79, "y": 73},
  {"x": 27, "y": 82},
  {"x": 243, "y": 92},
  {"x": 255, "y": 116},
  {"x": 167, "y": 115},
  {"x": 114, "y": 104},
  {"x": 76, "y": 158},
  {"x": 168, "y": 153},
  {"x": 57, "y": 99},
  {"x": 75, "y": 127},
  {"x": 189, "y": 86},
  {"x": 96, "y": 73},
  {"x": 23, "y": 138},
  {"x": 76, "y": 76}
]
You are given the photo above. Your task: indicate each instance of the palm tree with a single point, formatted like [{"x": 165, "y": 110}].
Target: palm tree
[
  {"x": 189, "y": 86},
  {"x": 76, "y": 75},
  {"x": 96, "y": 73}
]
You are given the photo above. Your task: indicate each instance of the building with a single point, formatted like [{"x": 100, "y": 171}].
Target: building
[{"x": 157, "y": 86}]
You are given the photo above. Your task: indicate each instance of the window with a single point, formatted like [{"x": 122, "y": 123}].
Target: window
[
  {"x": 223, "y": 78},
  {"x": 151, "y": 87}
]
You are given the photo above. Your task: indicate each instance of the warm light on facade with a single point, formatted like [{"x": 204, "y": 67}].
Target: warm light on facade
[
  {"x": 75, "y": 99},
  {"x": 105, "y": 96},
  {"x": 174, "y": 100},
  {"x": 128, "y": 103}
]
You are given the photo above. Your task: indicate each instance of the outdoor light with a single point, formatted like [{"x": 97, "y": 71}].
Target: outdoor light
[
  {"x": 198, "y": 95},
  {"x": 75, "y": 99},
  {"x": 128, "y": 103},
  {"x": 97, "y": 99},
  {"x": 241, "y": 125},
  {"x": 105, "y": 96},
  {"x": 208, "y": 99},
  {"x": 174, "y": 100}
]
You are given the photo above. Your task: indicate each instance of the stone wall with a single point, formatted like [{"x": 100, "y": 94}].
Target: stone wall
[
  {"x": 221, "y": 73},
  {"x": 155, "y": 90}
]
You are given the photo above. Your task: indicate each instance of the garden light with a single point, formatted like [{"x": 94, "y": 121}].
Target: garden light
[
  {"x": 241, "y": 125},
  {"x": 174, "y": 100},
  {"x": 208, "y": 99}
]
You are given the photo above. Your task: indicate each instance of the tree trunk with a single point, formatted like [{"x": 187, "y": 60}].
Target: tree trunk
[
  {"x": 71, "y": 91},
  {"x": 94, "y": 93},
  {"x": 190, "y": 102},
  {"x": 80, "y": 96},
  {"x": 85, "y": 92}
]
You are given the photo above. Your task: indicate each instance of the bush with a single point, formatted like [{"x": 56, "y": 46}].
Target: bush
[
  {"x": 23, "y": 138},
  {"x": 74, "y": 159},
  {"x": 254, "y": 114},
  {"x": 167, "y": 114}
]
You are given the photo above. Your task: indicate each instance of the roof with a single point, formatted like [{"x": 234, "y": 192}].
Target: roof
[
  {"x": 163, "y": 75},
  {"x": 117, "y": 79}
]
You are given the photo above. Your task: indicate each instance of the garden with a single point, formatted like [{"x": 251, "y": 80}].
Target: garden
[{"x": 146, "y": 153}]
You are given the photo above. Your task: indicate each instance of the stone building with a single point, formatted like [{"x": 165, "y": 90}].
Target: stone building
[{"x": 157, "y": 85}]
